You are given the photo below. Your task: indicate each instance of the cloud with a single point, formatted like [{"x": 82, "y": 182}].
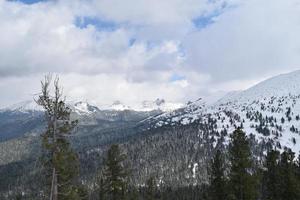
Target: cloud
[
  {"x": 257, "y": 38},
  {"x": 109, "y": 50},
  {"x": 52, "y": 37}
]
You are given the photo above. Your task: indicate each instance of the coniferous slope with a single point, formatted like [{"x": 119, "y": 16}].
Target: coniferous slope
[
  {"x": 175, "y": 147},
  {"x": 270, "y": 110}
]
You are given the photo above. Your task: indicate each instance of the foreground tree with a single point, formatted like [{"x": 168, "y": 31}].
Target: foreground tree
[
  {"x": 298, "y": 169},
  {"x": 115, "y": 174},
  {"x": 151, "y": 188},
  {"x": 217, "y": 177},
  {"x": 271, "y": 176},
  {"x": 242, "y": 179},
  {"x": 101, "y": 193},
  {"x": 59, "y": 158},
  {"x": 290, "y": 187}
]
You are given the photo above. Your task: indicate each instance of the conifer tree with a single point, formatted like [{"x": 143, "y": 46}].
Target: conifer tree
[
  {"x": 290, "y": 189},
  {"x": 150, "y": 188},
  {"x": 101, "y": 188},
  {"x": 271, "y": 177},
  {"x": 115, "y": 174},
  {"x": 217, "y": 177},
  {"x": 59, "y": 158},
  {"x": 242, "y": 179},
  {"x": 298, "y": 169}
]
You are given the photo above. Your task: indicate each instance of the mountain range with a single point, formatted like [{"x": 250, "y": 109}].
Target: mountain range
[
  {"x": 84, "y": 107},
  {"x": 174, "y": 142}
]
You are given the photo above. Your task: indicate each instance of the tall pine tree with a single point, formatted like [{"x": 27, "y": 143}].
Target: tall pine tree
[
  {"x": 217, "y": 177},
  {"x": 290, "y": 189},
  {"x": 115, "y": 174},
  {"x": 151, "y": 188},
  {"x": 59, "y": 159},
  {"x": 271, "y": 176},
  {"x": 298, "y": 169},
  {"x": 242, "y": 179}
]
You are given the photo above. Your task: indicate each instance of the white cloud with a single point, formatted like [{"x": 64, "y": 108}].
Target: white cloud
[
  {"x": 151, "y": 12},
  {"x": 257, "y": 38},
  {"x": 250, "y": 40}
]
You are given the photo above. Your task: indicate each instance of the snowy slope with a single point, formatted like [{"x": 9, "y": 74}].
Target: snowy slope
[
  {"x": 269, "y": 110},
  {"x": 278, "y": 86},
  {"x": 24, "y": 107}
]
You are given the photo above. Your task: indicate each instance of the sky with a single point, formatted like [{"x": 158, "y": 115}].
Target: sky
[{"x": 135, "y": 50}]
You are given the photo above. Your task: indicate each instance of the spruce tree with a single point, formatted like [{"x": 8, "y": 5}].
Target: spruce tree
[
  {"x": 217, "y": 177},
  {"x": 290, "y": 189},
  {"x": 59, "y": 159},
  {"x": 101, "y": 188},
  {"x": 242, "y": 179},
  {"x": 271, "y": 177},
  {"x": 150, "y": 188},
  {"x": 115, "y": 174},
  {"x": 298, "y": 169}
]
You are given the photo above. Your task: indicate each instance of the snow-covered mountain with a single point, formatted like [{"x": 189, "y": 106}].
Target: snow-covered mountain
[
  {"x": 278, "y": 86},
  {"x": 183, "y": 140},
  {"x": 117, "y": 106},
  {"x": 158, "y": 104},
  {"x": 24, "y": 107},
  {"x": 30, "y": 106},
  {"x": 269, "y": 110},
  {"x": 85, "y": 108},
  {"x": 144, "y": 106}
]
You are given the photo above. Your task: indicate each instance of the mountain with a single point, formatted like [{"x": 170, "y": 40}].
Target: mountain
[
  {"x": 118, "y": 105},
  {"x": 24, "y": 107},
  {"x": 85, "y": 108},
  {"x": 26, "y": 118},
  {"x": 269, "y": 110},
  {"x": 278, "y": 86},
  {"x": 173, "y": 145},
  {"x": 144, "y": 106},
  {"x": 159, "y": 104}
]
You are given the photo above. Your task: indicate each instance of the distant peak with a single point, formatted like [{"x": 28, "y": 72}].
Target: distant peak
[
  {"x": 159, "y": 101},
  {"x": 119, "y": 106},
  {"x": 24, "y": 106},
  {"x": 117, "y": 102}
]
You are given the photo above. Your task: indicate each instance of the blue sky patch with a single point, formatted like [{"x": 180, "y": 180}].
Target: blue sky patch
[
  {"x": 83, "y": 22},
  {"x": 176, "y": 77},
  {"x": 132, "y": 41},
  {"x": 29, "y": 1},
  {"x": 206, "y": 20}
]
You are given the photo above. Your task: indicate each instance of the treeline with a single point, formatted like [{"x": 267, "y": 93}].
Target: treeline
[
  {"x": 114, "y": 183},
  {"x": 241, "y": 177},
  {"x": 234, "y": 175}
]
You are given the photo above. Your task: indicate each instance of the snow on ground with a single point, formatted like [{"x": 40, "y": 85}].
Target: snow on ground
[{"x": 271, "y": 98}]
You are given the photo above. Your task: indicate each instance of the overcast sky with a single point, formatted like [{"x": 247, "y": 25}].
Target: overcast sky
[{"x": 135, "y": 50}]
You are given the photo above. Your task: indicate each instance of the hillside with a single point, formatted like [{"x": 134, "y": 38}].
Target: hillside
[
  {"x": 269, "y": 110},
  {"x": 174, "y": 146}
]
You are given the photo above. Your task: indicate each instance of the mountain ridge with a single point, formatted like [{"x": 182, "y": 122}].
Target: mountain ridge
[
  {"x": 269, "y": 110},
  {"x": 84, "y": 107}
]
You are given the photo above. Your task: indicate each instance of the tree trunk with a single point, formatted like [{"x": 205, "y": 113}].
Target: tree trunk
[{"x": 54, "y": 191}]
